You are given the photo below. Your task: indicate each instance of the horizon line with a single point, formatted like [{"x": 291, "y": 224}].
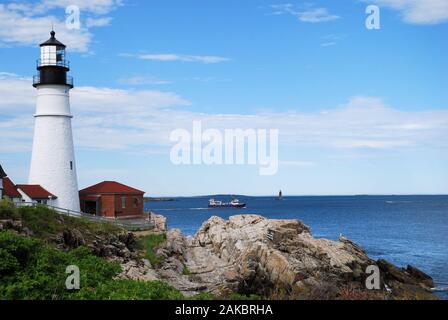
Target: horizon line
[{"x": 303, "y": 195}]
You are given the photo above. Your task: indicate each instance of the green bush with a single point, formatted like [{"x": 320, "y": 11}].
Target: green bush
[
  {"x": 186, "y": 271},
  {"x": 149, "y": 244},
  {"x": 45, "y": 223},
  {"x": 32, "y": 270},
  {"x": 204, "y": 296},
  {"x": 237, "y": 296},
  {"x": 42, "y": 221},
  {"x": 130, "y": 290},
  {"x": 7, "y": 210}
]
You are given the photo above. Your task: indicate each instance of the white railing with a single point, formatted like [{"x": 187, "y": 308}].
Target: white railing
[{"x": 131, "y": 224}]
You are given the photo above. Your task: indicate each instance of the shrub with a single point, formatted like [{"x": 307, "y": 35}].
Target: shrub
[
  {"x": 355, "y": 292},
  {"x": 186, "y": 271},
  {"x": 46, "y": 223},
  {"x": 203, "y": 296},
  {"x": 149, "y": 244},
  {"x": 7, "y": 210},
  {"x": 237, "y": 296},
  {"x": 32, "y": 270},
  {"x": 43, "y": 221},
  {"x": 130, "y": 290}
]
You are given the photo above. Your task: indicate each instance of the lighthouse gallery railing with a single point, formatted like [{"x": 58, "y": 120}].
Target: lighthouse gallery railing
[{"x": 36, "y": 80}]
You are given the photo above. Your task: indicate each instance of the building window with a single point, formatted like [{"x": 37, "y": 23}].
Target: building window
[
  {"x": 135, "y": 202},
  {"x": 71, "y": 165},
  {"x": 123, "y": 202}
]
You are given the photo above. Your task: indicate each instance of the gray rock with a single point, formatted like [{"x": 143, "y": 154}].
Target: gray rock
[
  {"x": 251, "y": 254},
  {"x": 73, "y": 238}
]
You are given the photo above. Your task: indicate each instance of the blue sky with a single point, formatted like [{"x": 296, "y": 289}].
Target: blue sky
[{"x": 359, "y": 111}]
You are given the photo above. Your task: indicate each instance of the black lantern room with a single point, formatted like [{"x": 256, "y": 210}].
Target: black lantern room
[{"x": 52, "y": 65}]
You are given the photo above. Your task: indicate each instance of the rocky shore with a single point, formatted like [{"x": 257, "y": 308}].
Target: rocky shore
[
  {"x": 279, "y": 259},
  {"x": 247, "y": 254}
]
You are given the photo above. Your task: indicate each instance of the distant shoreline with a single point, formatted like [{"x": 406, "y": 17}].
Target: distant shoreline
[
  {"x": 173, "y": 198},
  {"x": 150, "y": 199}
]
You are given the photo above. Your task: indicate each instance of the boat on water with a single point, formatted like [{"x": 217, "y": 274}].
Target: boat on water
[
  {"x": 235, "y": 203},
  {"x": 280, "y": 195}
]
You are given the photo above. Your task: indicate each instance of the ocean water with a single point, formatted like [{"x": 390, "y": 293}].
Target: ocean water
[{"x": 401, "y": 229}]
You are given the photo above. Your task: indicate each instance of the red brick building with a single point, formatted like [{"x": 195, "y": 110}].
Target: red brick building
[{"x": 111, "y": 199}]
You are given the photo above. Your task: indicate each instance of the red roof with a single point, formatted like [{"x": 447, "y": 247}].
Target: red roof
[
  {"x": 2, "y": 173},
  {"x": 9, "y": 189},
  {"x": 111, "y": 187},
  {"x": 35, "y": 191}
]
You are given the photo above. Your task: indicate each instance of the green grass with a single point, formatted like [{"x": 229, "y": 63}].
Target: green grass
[
  {"x": 130, "y": 290},
  {"x": 186, "y": 271},
  {"x": 46, "y": 223},
  {"x": 7, "y": 210},
  {"x": 238, "y": 296},
  {"x": 233, "y": 296},
  {"x": 149, "y": 244},
  {"x": 32, "y": 270},
  {"x": 204, "y": 296}
]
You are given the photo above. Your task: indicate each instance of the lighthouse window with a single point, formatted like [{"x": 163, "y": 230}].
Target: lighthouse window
[
  {"x": 60, "y": 53},
  {"x": 71, "y": 165}
]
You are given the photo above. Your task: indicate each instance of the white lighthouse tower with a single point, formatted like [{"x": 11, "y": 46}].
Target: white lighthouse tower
[{"x": 53, "y": 159}]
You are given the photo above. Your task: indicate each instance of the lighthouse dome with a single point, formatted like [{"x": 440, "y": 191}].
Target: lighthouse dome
[
  {"x": 53, "y": 41},
  {"x": 52, "y": 64}
]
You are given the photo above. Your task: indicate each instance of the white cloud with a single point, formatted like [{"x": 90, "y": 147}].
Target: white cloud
[
  {"x": 169, "y": 57},
  {"x": 98, "y": 22},
  {"x": 105, "y": 118},
  {"x": 135, "y": 120},
  {"x": 28, "y": 24},
  {"x": 11, "y": 100},
  {"x": 142, "y": 80},
  {"x": 417, "y": 11},
  {"x": 297, "y": 163},
  {"x": 19, "y": 29},
  {"x": 330, "y": 40},
  {"x": 328, "y": 44},
  {"x": 316, "y": 15},
  {"x": 94, "y": 6},
  {"x": 118, "y": 101},
  {"x": 311, "y": 15}
]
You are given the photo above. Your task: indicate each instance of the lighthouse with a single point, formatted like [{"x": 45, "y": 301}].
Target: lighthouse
[{"x": 53, "y": 163}]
